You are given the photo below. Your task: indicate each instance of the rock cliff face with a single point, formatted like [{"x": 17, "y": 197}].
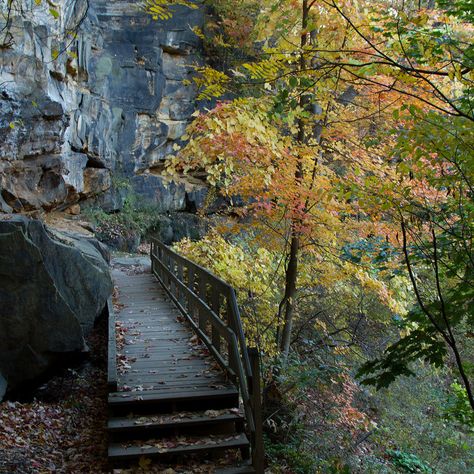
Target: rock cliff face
[{"x": 81, "y": 114}]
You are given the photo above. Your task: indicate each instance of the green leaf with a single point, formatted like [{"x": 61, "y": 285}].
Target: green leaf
[{"x": 54, "y": 13}]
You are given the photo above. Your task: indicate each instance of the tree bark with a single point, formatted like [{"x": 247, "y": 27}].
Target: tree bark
[
  {"x": 291, "y": 271},
  {"x": 291, "y": 275}
]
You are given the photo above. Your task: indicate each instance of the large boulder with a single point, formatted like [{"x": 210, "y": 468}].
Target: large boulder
[{"x": 53, "y": 286}]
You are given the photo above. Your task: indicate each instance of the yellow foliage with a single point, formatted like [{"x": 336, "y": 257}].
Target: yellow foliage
[
  {"x": 210, "y": 82},
  {"x": 160, "y": 9},
  {"x": 253, "y": 276},
  {"x": 257, "y": 276}
]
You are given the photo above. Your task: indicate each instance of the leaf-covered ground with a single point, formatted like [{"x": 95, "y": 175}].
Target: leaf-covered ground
[{"x": 62, "y": 430}]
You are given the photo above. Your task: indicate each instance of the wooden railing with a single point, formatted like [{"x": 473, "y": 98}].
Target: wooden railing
[{"x": 210, "y": 306}]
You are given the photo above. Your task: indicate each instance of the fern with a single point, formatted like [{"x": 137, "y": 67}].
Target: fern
[
  {"x": 160, "y": 9},
  {"x": 266, "y": 69}
]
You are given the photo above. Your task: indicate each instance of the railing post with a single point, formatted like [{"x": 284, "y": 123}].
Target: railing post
[
  {"x": 172, "y": 285},
  {"x": 151, "y": 257},
  {"x": 179, "y": 274},
  {"x": 203, "y": 296},
  {"x": 189, "y": 303},
  {"x": 215, "y": 306},
  {"x": 258, "y": 454},
  {"x": 236, "y": 325}
]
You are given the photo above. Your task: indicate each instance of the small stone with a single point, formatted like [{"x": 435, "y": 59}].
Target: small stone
[{"x": 74, "y": 210}]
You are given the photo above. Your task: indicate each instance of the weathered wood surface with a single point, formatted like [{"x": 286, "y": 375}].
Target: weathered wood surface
[
  {"x": 154, "y": 343},
  {"x": 168, "y": 386},
  {"x": 210, "y": 306}
]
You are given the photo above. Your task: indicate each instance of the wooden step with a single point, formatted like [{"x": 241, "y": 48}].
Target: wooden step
[
  {"x": 228, "y": 395},
  {"x": 125, "y": 451},
  {"x": 243, "y": 469},
  {"x": 180, "y": 421}
]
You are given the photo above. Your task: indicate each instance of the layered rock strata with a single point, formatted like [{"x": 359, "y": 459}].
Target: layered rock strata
[{"x": 92, "y": 102}]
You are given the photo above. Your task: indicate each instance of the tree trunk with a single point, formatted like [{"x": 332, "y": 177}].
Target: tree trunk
[{"x": 291, "y": 272}]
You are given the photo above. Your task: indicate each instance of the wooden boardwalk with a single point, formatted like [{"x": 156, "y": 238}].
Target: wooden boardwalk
[
  {"x": 159, "y": 354},
  {"x": 169, "y": 398}
]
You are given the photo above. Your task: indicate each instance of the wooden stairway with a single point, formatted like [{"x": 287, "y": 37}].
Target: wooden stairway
[{"x": 168, "y": 399}]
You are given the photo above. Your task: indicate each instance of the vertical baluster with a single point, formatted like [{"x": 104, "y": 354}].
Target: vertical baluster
[
  {"x": 230, "y": 312},
  {"x": 190, "y": 301},
  {"x": 175, "y": 272},
  {"x": 160, "y": 268},
  {"x": 258, "y": 454},
  {"x": 232, "y": 358},
  {"x": 168, "y": 266},
  {"x": 215, "y": 306},
  {"x": 179, "y": 274},
  {"x": 152, "y": 259},
  {"x": 203, "y": 296}
]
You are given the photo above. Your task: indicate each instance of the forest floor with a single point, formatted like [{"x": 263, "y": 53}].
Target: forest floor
[{"x": 62, "y": 428}]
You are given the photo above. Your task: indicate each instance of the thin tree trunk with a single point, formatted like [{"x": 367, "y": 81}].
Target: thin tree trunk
[
  {"x": 291, "y": 275},
  {"x": 291, "y": 272}
]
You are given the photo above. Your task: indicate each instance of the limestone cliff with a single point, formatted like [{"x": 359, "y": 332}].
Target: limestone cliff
[{"x": 80, "y": 113}]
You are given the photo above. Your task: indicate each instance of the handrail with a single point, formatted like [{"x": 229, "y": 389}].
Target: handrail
[{"x": 210, "y": 305}]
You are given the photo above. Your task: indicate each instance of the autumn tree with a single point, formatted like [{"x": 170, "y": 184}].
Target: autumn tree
[
  {"x": 337, "y": 142},
  {"x": 274, "y": 149},
  {"x": 428, "y": 59}
]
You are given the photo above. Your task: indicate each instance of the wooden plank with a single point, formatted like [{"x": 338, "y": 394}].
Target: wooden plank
[
  {"x": 165, "y": 339},
  {"x": 149, "y": 306},
  {"x": 159, "y": 358},
  {"x": 162, "y": 331},
  {"x": 165, "y": 345},
  {"x": 177, "y": 380},
  {"x": 139, "y": 387},
  {"x": 152, "y": 396},
  {"x": 204, "y": 372},
  {"x": 166, "y": 370},
  {"x": 171, "y": 377},
  {"x": 137, "y": 363},
  {"x": 148, "y": 364},
  {"x": 158, "y": 304},
  {"x": 160, "y": 354},
  {"x": 151, "y": 324},
  {"x": 182, "y": 348},
  {"x": 152, "y": 422},
  {"x": 123, "y": 451}
]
